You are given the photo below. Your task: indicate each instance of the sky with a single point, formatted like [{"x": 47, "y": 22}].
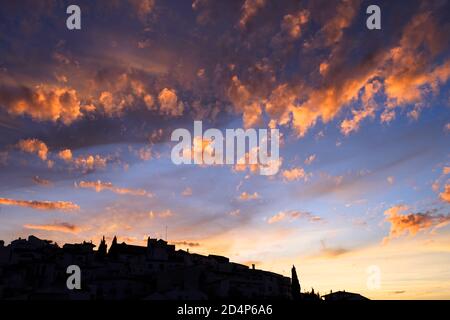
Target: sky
[{"x": 363, "y": 184}]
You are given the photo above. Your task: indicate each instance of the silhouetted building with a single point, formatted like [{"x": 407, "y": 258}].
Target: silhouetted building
[
  {"x": 343, "y": 296},
  {"x": 36, "y": 269}
]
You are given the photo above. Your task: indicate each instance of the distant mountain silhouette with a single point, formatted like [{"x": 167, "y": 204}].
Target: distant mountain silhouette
[{"x": 36, "y": 269}]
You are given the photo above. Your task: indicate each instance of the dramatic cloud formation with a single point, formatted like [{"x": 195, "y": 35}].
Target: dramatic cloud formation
[
  {"x": 40, "y": 205},
  {"x": 58, "y": 227},
  {"x": 362, "y": 114},
  {"x": 412, "y": 223},
  {"x": 99, "y": 186}
]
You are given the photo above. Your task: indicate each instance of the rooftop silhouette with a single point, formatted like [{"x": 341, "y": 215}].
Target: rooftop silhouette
[{"x": 36, "y": 269}]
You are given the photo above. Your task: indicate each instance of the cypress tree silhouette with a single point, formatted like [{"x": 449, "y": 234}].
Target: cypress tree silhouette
[{"x": 295, "y": 284}]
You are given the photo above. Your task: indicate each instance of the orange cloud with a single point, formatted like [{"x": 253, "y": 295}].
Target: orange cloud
[
  {"x": 409, "y": 69},
  {"x": 411, "y": 223},
  {"x": 280, "y": 103},
  {"x": 369, "y": 105},
  {"x": 406, "y": 71},
  {"x": 310, "y": 159},
  {"x": 292, "y": 23},
  {"x": 295, "y": 174},
  {"x": 90, "y": 162},
  {"x": 387, "y": 116},
  {"x": 244, "y": 196},
  {"x": 42, "y": 103},
  {"x": 99, "y": 186},
  {"x": 58, "y": 227},
  {"x": 445, "y": 195},
  {"x": 163, "y": 214},
  {"x": 292, "y": 215},
  {"x": 40, "y": 205},
  {"x": 333, "y": 30},
  {"x": 244, "y": 103},
  {"x": 169, "y": 103},
  {"x": 34, "y": 146},
  {"x": 65, "y": 155}
]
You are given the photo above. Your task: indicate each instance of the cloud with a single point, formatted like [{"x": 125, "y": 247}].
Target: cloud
[
  {"x": 291, "y": 29},
  {"x": 42, "y": 103},
  {"x": 143, "y": 8},
  {"x": 90, "y": 162},
  {"x": 295, "y": 174},
  {"x": 412, "y": 223},
  {"x": 293, "y": 215},
  {"x": 387, "y": 116},
  {"x": 333, "y": 29},
  {"x": 65, "y": 155},
  {"x": 410, "y": 68},
  {"x": 40, "y": 181},
  {"x": 185, "y": 243},
  {"x": 390, "y": 179},
  {"x": 405, "y": 74},
  {"x": 249, "y": 9},
  {"x": 292, "y": 23},
  {"x": 332, "y": 252},
  {"x": 244, "y": 196},
  {"x": 40, "y": 205},
  {"x": 445, "y": 195},
  {"x": 310, "y": 159},
  {"x": 447, "y": 127},
  {"x": 145, "y": 153},
  {"x": 169, "y": 103},
  {"x": 58, "y": 227},
  {"x": 244, "y": 103},
  {"x": 350, "y": 125},
  {"x": 99, "y": 186},
  {"x": 187, "y": 192},
  {"x": 34, "y": 146},
  {"x": 162, "y": 214}
]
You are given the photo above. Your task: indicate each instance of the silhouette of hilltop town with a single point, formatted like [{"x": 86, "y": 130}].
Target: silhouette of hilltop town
[{"x": 36, "y": 269}]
